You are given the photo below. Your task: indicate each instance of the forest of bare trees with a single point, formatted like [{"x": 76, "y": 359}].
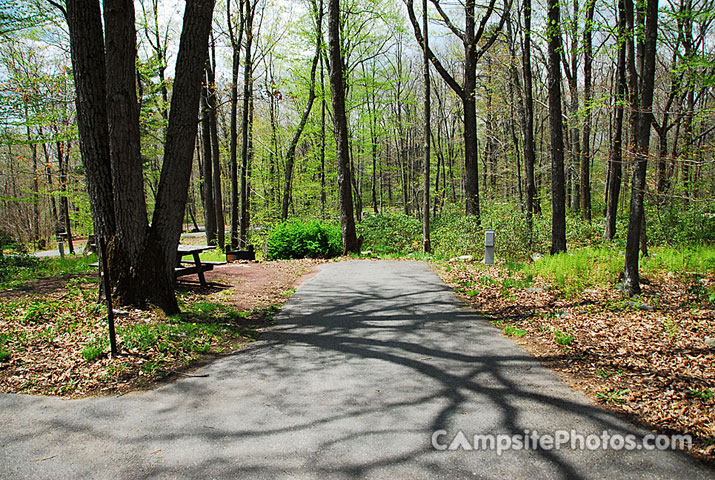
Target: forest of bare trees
[{"x": 597, "y": 112}]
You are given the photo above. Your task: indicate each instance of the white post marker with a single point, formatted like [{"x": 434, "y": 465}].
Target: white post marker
[{"x": 489, "y": 247}]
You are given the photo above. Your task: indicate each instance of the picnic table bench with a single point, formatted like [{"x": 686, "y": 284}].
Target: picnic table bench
[
  {"x": 190, "y": 267},
  {"x": 195, "y": 266}
]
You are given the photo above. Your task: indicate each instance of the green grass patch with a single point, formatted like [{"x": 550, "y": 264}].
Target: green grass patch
[
  {"x": 703, "y": 394},
  {"x": 612, "y": 396},
  {"x": 563, "y": 338},
  {"x": 513, "y": 331},
  {"x": 576, "y": 270},
  {"x": 693, "y": 260},
  {"x": 19, "y": 271},
  {"x": 94, "y": 349}
]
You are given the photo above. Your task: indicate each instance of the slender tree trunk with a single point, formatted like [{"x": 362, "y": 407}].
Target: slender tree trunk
[
  {"x": 236, "y": 40},
  {"x": 588, "y": 96},
  {"x": 322, "y": 138},
  {"x": 528, "y": 123},
  {"x": 246, "y": 123},
  {"x": 558, "y": 193},
  {"x": 208, "y": 177},
  {"x": 215, "y": 151},
  {"x": 616, "y": 161},
  {"x": 426, "y": 244},
  {"x": 347, "y": 221},
  {"x": 631, "y": 277},
  {"x": 290, "y": 154},
  {"x": 63, "y": 155}
]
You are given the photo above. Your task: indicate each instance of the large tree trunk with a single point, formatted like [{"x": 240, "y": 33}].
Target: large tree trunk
[
  {"x": 130, "y": 210},
  {"x": 178, "y": 156},
  {"x": 347, "y": 221},
  {"x": 88, "y": 66},
  {"x": 631, "y": 277},
  {"x": 117, "y": 197},
  {"x": 558, "y": 192}
]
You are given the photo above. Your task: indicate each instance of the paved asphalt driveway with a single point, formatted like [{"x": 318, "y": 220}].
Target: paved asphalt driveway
[{"x": 367, "y": 360}]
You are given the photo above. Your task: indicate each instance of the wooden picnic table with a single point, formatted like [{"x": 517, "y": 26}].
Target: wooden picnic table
[
  {"x": 190, "y": 267},
  {"x": 184, "y": 267}
]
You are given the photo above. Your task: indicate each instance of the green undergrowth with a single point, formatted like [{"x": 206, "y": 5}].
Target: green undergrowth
[
  {"x": 151, "y": 343},
  {"x": 18, "y": 271},
  {"x": 579, "y": 269}
]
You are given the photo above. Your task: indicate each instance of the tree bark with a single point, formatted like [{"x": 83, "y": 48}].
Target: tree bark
[
  {"x": 615, "y": 167},
  {"x": 88, "y": 65},
  {"x": 246, "y": 123},
  {"x": 215, "y": 151},
  {"x": 631, "y": 277},
  {"x": 236, "y": 61},
  {"x": 587, "y": 99},
  {"x": 347, "y": 221},
  {"x": 130, "y": 210},
  {"x": 528, "y": 123},
  {"x": 426, "y": 244},
  {"x": 558, "y": 193},
  {"x": 207, "y": 174}
]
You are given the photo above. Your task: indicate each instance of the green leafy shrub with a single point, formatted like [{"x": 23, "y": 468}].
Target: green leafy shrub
[
  {"x": 455, "y": 234},
  {"x": 42, "y": 312},
  {"x": 391, "y": 233},
  {"x": 299, "y": 239}
]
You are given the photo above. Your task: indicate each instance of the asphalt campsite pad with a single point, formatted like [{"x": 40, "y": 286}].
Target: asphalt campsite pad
[{"x": 371, "y": 365}]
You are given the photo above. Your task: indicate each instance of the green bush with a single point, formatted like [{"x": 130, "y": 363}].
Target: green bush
[
  {"x": 391, "y": 233},
  {"x": 299, "y": 239},
  {"x": 455, "y": 234},
  {"x": 678, "y": 224}
]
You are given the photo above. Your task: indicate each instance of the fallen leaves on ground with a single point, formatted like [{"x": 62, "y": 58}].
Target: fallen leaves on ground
[
  {"x": 650, "y": 357},
  {"x": 54, "y": 340}
]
